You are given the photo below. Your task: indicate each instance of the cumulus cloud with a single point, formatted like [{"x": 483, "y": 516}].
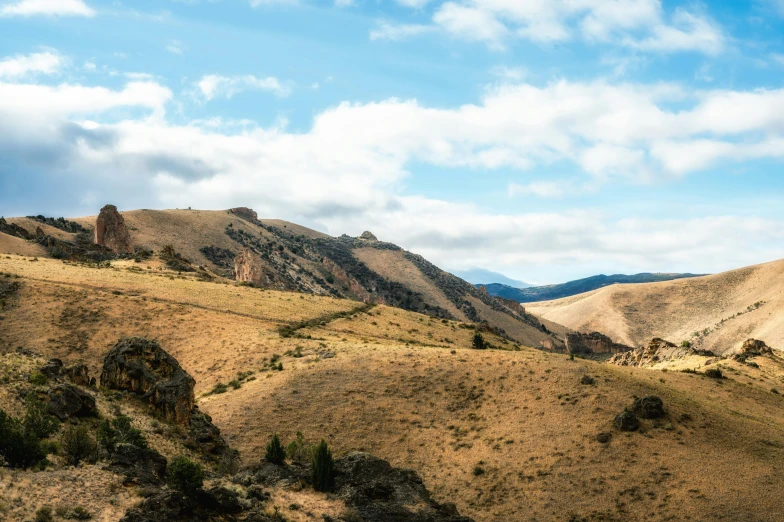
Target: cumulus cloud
[
  {"x": 213, "y": 85},
  {"x": 47, "y": 8},
  {"x": 343, "y": 173},
  {"x": 20, "y": 66},
  {"x": 640, "y": 24}
]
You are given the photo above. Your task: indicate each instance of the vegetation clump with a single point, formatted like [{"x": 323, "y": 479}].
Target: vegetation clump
[
  {"x": 186, "y": 476},
  {"x": 78, "y": 445},
  {"x": 478, "y": 342},
  {"x": 323, "y": 475},
  {"x": 275, "y": 454},
  {"x": 714, "y": 373},
  {"x": 119, "y": 430}
]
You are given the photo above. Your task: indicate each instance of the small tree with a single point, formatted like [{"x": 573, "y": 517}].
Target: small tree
[
  {"x": 185, "y": 475},
  {"x": 323, "y": 468},
  {"x": 78, "y": 445},
  {"x": 275, "y": 452},
  {"x": 37, "y": 420},
  {"x": 478, "y": 342},
  {"x": 120, "y": 431}
]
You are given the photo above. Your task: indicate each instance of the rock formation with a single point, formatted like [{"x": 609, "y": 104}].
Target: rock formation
[
  {"x": 77, "y": 374},
  {"x": 658, "y": 350},
  {"x": 594, "y": 342},
  {"x": 140, "y": 466},
  {"x": 248, "y": 268},
  {"x": 368, "y": 236},
  {"x": 248, "y": 214},
  {"x": 66, "y": 401},
  {"x": 754, "y": 347},
  {"x": 111, "y": 232},
  {"x": 143, "y": 367}
]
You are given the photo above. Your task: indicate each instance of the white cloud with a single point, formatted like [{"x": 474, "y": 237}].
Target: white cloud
[
  {"x": 213, "y": 85},
  {"x": 542, "y": 189},
  {"x": 175, "y": 47},
  {"x": 20, "y": 66},
  {"x": 396, "y": 32},
  {"x": 641, "y": 24},
  {"x": 46, "y": 7}
]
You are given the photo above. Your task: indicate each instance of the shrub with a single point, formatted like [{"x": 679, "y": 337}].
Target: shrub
[
  {"x": 686, "y": 344},
  {"x": 19, "y": 448},
  {"x": 478, "y": 342},
  {"x": 219, "y": 388},
  {"x": 186, "y": 476},
  {"x": 299, "y": 450},
  {"x": 119, "y": 431},
  {"x": 38, "y": 379},
  {"x": 275, "y": 452},
  {"x": 323, "y": 468},
  {"x": 77, "y": 513},
  {"x": 37, "y": 420},
  {"x": 78, "y": 445},
  {"x": 44, "y": 515},
  {"x": 714, "y": 373}
]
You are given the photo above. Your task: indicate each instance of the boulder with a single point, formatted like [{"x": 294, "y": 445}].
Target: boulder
[
  {"x": 604, "y": 437},
  {"x": 111, "y": 231},
  {"x": 658, "y": 350},
  {"x": 650, "y": 407},
  {"x": 172, "y": 506},
  {"x": 626, "y": 421},
  {"x": 205, "y": 434},
  {"x": 77, "y": 374},
  {"x": 595, "y": 342},
  {"x": 143, "y": 367},
  {"x": 66, "y": 401},
  {"x": 368, "y": 236},
  {"x": 377, "y": 491},
  {"x": 141, "y": 466},
  {"x": 52, "y": 368},
  {"x": 755, "y": 347},
  {"x": 248, "y": 214}
]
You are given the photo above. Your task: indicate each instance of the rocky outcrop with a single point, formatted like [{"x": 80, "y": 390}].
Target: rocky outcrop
[
  {"x": 66, "y": 401},
  {"x": 595, "y": 342},
  {"x": 139, "y": 466},
  {"x": 12, "y": 229},
  {"x": 658, "y": 350},
  {"x": 377, "y": 491},
  {"x": 752, "y": 347},
  {"x": 248, "y": 268},
  {"x": 368, "y": 236},
  {"x": 78, "y": 374},
  {"x": 248, "y": 214},
  {"x": 111, "y": 231},
  {"x": 650, "y": 407},
  {"x": 143, "y": 367}
]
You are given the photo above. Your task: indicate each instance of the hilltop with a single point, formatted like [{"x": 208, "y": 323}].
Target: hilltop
[
  {"x": 533, "y": 294},
  {"x": 717, "y": 312}
]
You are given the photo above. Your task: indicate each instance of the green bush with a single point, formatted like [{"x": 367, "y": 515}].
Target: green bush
[
  {"x": 37, "y": 420},
  {"x": 77, "y": 513},
  {"x": 299, "y": 450},
  {"x": 275, "y": 452},
  {"x": 119, "y": 431},
  {"x": 714, "y": 373},
  {"x": 185, "y": 475},
  {"x": 323, "y": 468},
  {"x": 78, "y": 445},
  {"x": 478, "y": 342},
  {"x": 38, "y": 379},
  {"x": 18, "y": 448},
  {"x": 44, "y": 515}
]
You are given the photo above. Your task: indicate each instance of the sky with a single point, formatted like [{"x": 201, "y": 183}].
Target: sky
[{"x": 546, "y": 140}]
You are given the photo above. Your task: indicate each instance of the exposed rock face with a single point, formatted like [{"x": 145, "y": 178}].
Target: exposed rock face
[
  {"x": 111, "y": 232},
  {"x": 248, "y": 214},
  {"x": 368, "y": 236},
  {"x": 66, "y": 401},
  {"x": 249, "y": 268},
  {"x": 657, "y": 351},
  {"x": 143, "y": 367},
  {"x": 77, "y": 374},
  {"x": 593, "y": 343},
  {"x": 650, "y": 407},
  {"x": 141, "y": 466},
  {"x": 755, "y": 347},
  {"x": 626, "y": 421},
  {"x": 13, "y": 229},
  {"x": 380, "y": 492},
  {"x": 52, "y": 368}
]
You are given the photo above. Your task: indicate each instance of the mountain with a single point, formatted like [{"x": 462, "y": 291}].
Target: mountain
[
  {"x": 507, "y": 433},
  {"x": 480, "y": 276},
  {"x": 717, "y": 312},
  {"x": 276, "y": 254},
  {"x": 549, "y": 292}
]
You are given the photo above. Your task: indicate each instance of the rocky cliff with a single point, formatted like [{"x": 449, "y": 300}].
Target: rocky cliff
[
  {"x": 111, "y": 231},
  {"x": 593, "y": 342}
]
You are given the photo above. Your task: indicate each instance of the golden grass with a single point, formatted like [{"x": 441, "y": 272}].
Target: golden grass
[{"x": 407, "y": 388}]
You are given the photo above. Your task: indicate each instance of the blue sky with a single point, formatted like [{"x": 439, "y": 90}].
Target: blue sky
[{"x": 543, "y": 139}]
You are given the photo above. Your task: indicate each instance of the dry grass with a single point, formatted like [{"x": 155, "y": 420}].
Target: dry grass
[
  {"x": 675, "y": 310},
  {"x": 407, "y": 388}
]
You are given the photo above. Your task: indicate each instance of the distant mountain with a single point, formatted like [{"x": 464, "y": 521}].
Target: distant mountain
[
  {"x": 480, "y": 276},
  {"x": 549, "y": 292}
]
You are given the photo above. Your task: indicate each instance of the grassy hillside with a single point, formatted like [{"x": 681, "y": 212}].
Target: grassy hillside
[
  {"x": 292, "y": 257},
  {"x": 549, "y": 292},
  {"x": 507, "y": 433},
  {"x": 715, "y": 312}
]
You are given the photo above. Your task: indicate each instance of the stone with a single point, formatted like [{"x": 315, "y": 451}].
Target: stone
[
  {"x": 249, "y": 268},
  {"x": 66, "y": 401},
  {"x": 658, "y": 350},
  {"x": 626, "y": 421},
  {"x": 52, "y": 368},
  {"x": 77, "y": 374},
  {"x": 248, "y": 214},
  {"x": 111, "y": 231},
  {"x": 368, "y": 236},
  {"x": 140, "y": 466},
  {"x": 604, "y": 437},
  {"x": 144, "y": 368},
  {"x": 594, "y": 342},
  {"x": 205, "y": 434},
  {"x": 650, "y": 407},
  {"x": 755, "y": 347}
]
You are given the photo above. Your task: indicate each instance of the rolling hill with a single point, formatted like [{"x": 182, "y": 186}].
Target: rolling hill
[
  {"x": 549, "y": 292},
  {"x": 717, "y": 312}
]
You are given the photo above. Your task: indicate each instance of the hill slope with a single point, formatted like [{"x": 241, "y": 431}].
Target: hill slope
[
  {"x": 725, "y": 309},
  {"x": 280, "y": 255},
  {"x": 509, "y": 435},
  {"x": 549, "y": 292}
]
